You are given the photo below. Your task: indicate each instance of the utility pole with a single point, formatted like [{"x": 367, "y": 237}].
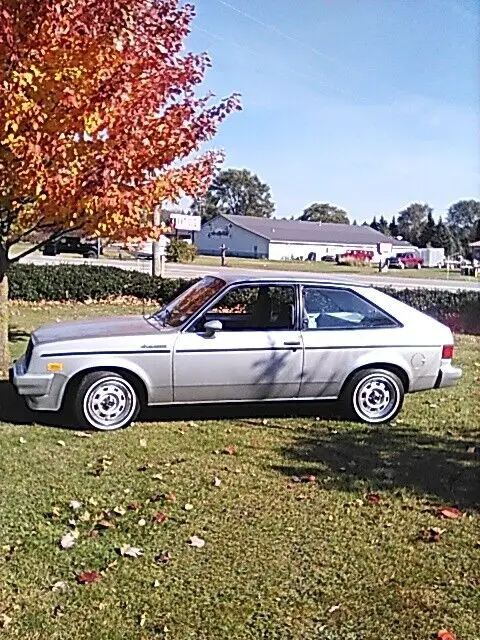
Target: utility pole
[{"x": 158, "y": 260}]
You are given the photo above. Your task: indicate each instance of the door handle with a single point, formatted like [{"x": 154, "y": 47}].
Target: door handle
[{"x": 292, "y": 344}]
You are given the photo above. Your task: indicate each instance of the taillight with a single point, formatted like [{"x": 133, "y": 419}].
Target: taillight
[{"x": 447, "y": 352}]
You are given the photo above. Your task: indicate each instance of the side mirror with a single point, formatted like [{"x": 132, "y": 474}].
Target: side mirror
[{"x": 211, "y": 327}]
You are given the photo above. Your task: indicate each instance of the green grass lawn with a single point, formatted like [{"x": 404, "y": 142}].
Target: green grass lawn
[
  {"x": 328, "y": 267},
  {"x": 345, "y": 556}
]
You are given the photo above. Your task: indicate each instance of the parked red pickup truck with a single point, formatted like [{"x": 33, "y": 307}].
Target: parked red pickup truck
[{"x": 405, "y": 261}]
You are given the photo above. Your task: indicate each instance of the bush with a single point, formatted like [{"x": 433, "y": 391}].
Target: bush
[
  {"x": 181, "y": 251},
  {"x": 35, "y": 283},
  {"x": 460, "y": 310}
]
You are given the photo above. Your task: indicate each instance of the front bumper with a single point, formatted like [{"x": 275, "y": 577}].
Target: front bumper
[
  {"x": 30, "y": 384},
  {"x": 448, "y": 376}
]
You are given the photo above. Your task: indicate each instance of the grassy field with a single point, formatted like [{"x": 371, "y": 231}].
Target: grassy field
[
  {"x": 356, "y": 551},
  {"x": 328, "y": 267}
]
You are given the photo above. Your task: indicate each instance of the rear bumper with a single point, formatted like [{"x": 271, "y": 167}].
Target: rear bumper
[{"x": 448, "y": 376}]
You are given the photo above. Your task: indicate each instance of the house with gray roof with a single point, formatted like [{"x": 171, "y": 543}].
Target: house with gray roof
[{"x": 278, "y": 239}]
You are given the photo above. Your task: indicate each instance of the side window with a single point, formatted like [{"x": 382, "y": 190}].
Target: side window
[
  {"x": 341, "y": 309},
  {"x": 254, "y": 308}
]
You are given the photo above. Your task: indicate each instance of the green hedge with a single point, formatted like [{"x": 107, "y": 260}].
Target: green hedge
[{"x": 34, "y": 283}]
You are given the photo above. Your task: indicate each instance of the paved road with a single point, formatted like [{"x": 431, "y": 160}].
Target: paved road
[{"x": 196, "y": 271}]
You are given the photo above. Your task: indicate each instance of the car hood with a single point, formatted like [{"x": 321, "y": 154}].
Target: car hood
[{"x": 111, "y": 327}]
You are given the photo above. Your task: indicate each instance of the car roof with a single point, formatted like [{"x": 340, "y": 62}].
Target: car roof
[{"x": 307, "y": 279}]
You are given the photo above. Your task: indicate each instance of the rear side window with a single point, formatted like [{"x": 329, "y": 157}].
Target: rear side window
[{"x": 341, "y": 309}]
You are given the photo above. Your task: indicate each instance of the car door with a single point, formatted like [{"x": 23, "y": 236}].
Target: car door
[
  {"x": 257, "y": 355},
  {"x": 338, "y": 327}
]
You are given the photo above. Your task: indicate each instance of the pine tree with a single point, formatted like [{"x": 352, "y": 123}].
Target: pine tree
[
  {"x": 383, "y": 225},
  {"x": 393, "y": 227},
  {"x": 442, "y": 238},
  {"x": 428, "y": 231},
  {"x": 374, "y": 224}
]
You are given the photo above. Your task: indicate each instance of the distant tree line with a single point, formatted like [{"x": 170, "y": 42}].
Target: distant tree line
[
  {"x": 417, "y": 225},
  {"x": 241, "y": 192}
]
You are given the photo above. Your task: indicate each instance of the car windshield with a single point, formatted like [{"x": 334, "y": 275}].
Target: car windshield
[{"x": 189, "y": 302}]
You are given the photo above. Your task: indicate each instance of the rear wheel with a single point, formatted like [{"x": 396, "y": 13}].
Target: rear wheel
[
  {"x": 106, "y": 401},
  {"x": 373, "y": 396}
]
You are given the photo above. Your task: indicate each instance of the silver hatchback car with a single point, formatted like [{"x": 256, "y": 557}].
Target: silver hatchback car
[{"x": 229, "y": 340}]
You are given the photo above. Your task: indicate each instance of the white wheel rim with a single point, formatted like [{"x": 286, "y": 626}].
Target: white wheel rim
[
  {"x": 376, "y": 397},
  {"x": 109, "y": 403}
]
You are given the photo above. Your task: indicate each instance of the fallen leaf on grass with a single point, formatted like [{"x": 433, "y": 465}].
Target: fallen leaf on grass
[
  {"x": 160, "y": 518},
  {"x": 432, "y": 534},
  {"x": 85, "y": 517},
  {"x": 146, "y": 466},
  {"x": 216, "y": 481},
  {"x": 334, "y": 607},
  {"x": 60, "y": 585},
  {"x": 163, "y": 558},
  {"x": 188, "y": 507},
  {"x": 75, "y": 504},
  {"x": 106, "y": 524},
  {"x": 443, "y": 634},
  {"x": 119, "y": 511},
  {"x": 143, "y": 443},
  {"x": 230, "y": 450},
  {"x": 82, "y": 434},
  {"x": 88, "y": 577},
  {"x": 69, "y": 540},
  {"x": 61, "y": 443},
  {"x": 156, "y": 584},
  {"x": 131, "y": 552},
  {"x": 142, "y": 620},
  {"x": 22, "y": 440},
  {"x": 4, "y": 620},
  {"x": 170, "y": 497},
  {"x": 372, "y": 498},
  {"x": 451, "y": 513},
  {"x": 133, "y": 506},
  {"x": 196, "y": 542},
  {"x": 54, "y": 513},
  {"x": 157, "y": 476}
]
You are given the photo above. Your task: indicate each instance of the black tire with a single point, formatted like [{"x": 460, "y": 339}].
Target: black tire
[
  {"x": 91, "y": 254},
  {"x": 105, "y": 401},
  {"x": 374, "y": 396}
]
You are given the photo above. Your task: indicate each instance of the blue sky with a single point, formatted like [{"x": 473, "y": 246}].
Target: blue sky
[{"x": 368, "y": 104}]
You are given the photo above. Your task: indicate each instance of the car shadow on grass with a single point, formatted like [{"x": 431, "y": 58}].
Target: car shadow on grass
[
  {"x": 438, "y": 468},
  {"x": 14, "y": 411}
]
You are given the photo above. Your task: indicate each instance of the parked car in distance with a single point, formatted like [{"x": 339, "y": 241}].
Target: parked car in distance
[
  {"x": 355, "y": 255},
  {"x": 71, "y": 244},
  {"x": 405, "y": 261},
  {"x": 240, "y": 340},
  {"x": 328, "y": 258}
]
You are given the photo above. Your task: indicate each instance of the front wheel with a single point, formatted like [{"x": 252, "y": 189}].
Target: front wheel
[
  {"x": 106, "y": 401},
  {"x": 373, "y": 396}
]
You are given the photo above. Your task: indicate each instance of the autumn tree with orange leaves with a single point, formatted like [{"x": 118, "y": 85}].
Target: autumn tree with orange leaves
[{"x": 100, "y": 120}]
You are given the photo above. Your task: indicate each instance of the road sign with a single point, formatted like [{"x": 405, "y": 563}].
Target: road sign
[{"x": 182, "y": 222}]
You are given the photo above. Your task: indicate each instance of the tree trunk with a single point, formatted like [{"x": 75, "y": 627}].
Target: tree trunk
[{"x": 4, "y": 347}]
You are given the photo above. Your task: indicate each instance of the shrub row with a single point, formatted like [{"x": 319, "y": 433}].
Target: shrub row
[{"x": 34, "y": 283}]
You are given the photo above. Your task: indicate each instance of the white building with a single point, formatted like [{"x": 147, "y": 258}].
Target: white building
[{"x": 275, "y": 239}]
